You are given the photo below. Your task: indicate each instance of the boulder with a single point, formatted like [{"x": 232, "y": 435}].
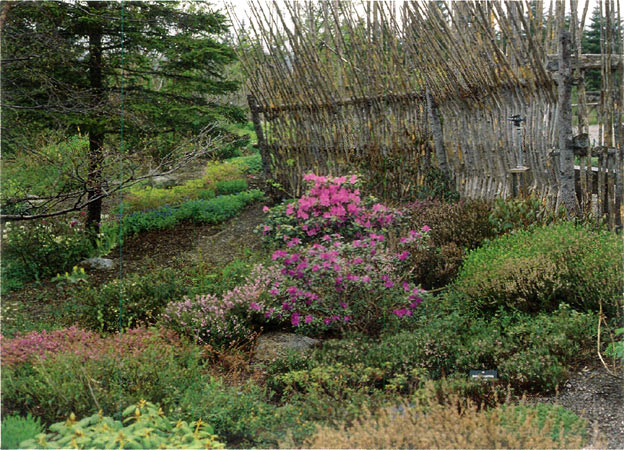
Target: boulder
[
  {"x": 98, "y": 264},
  {"x": 270, "y": 346}
]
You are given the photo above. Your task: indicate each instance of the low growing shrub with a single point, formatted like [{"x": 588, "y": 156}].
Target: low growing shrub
[
  {"x": 121, "y": 304},
  {"x": 143, "y": 426},
  {"x": 152, "y": 197},
  {"x": 214, "y": 210},
  {"x": 339, "y": 285},
  {"x": 457, "y": 227},
  {"x": 521, "y": 213},
  {"x": 16, "y": 429},
  {"x": 537, "y": 269},
  {"x": 40, "y": 249},
  {"x": 227, "y": 187},
  {"x": 114, "y": 371},
  {"x": 454, "y": 423}
]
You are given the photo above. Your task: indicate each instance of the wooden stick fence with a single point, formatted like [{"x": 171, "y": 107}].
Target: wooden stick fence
[{"x": 391, "y": 90}]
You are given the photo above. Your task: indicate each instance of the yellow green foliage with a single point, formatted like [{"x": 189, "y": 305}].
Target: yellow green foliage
[
  {"x": 204, "y": 188},
  {"x": 146, "y": 427}
]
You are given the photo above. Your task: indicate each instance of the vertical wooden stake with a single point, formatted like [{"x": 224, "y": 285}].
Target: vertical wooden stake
[
  {"x": 567, "y": 192},
  {"x": 264, "y": 151}
]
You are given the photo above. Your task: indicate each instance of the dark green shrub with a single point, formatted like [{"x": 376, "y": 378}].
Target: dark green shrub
[
  {"x": 239, "y": 414},
  {"x": 35, "y": 250},
  {"x": 529, "y": 352},
  {"x": 227, "y": 187},
  {"x": 107, "y": 378},
  {"x": 536, "y": 270},
  {"x": 455, "y": 228},
  {"x": 129, "y": 302},
  {"x": 518, "y": 213},
  {"x": 144, "y": 426},
  {"x": 16, "y": 429}
]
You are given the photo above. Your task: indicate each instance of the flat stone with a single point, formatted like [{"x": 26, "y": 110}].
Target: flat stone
[
  {"x": 98, "y": 264},
  {"x": 270, "y": 346}
]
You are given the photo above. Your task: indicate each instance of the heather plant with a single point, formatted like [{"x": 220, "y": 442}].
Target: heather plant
[
  {"x": 221, "y": 171},
  {"x": 16, "y": 429},
  {"x": 219, "y": 320},
  {"x": 144, "y": 425},
  {"x": 149, "y": 364},
  {"x": 140, "y": 199},
  {"x": 340, "y": 285},
  {"x": 329, "y": 205},
  {"x": 537, "y": 269}
]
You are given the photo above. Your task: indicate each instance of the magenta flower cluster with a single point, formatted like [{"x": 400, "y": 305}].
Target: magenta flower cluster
[
  {"x": 329, "y": 205},
  {"x": 87, "y": 344},
  {"x": 336, "y": 283}
]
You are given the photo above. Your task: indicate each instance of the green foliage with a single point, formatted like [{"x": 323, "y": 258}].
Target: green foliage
[
  {"x": 144, "y": 425},
  {"x": 16, "y": 429},
  {"x": 50, "y": 168},
  {"x": 437, "y": 186},
  {"x": 535, "y": 270},
  {"x": 173, "y": 72},
  {"x": 152, "y": 197},
  {"x": 107, "y": 379},
  {"x": 221, "y": 171},
  {"x": 562, "y": 422},
  {"x": 227, "y": 187},
  {"x": 213, "y": 211},
  {"x": 76, "y": 276},
  {"x": 455, "y": 228},
  {"x": 127, "y": 303},
  {"x": 251, "y": 164},
  {"x": 521, "y": 213},
  {"x": 616, "y": 349},
  {"x": 529, "y": 352},
  {"x": 39, "y": 249}
]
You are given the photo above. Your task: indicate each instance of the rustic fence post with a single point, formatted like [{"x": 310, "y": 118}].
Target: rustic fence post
[
  {"x": 264, "y": 151},
  {"x": 567, "y": 191},
  {"x": 436, "y": 130}
]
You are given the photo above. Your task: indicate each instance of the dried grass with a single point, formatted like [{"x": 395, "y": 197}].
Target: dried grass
[{"x": 455, "y": 423}]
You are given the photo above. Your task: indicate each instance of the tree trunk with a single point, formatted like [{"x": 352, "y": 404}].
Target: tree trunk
[
  {"x": 567, "y": 192},
  {"x": 96, "y": 134}
]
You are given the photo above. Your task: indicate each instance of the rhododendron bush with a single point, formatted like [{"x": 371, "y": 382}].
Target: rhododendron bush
[
  {"x": 334, "y": 271},
  {"x": 339, "y": 284},
  {"x": 329, "y": 205}
]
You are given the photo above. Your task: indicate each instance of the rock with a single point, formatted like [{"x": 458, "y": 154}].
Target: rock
[
  {"x": 98, "y": 264},
  {"x": 273, "y": 345},
  {"x": 163, "y": 181}
]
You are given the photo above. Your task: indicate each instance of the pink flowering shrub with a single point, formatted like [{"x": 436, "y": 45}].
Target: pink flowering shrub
[
  {"x": 338, "y": 284},
  {"x": 220, "y": 320},
  {"x": 330, "y": 205},
  {"x": 87, "y": 344}
]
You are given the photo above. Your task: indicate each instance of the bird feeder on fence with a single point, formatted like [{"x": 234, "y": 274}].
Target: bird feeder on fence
[{"x": 518, "y": 173}]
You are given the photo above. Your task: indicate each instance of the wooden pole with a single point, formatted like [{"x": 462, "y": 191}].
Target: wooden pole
[
  {"x": 567, "y": 192},
  {"x": 264, "y": 151}
]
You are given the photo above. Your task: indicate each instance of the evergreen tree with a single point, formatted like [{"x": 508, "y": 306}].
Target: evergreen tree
[
  {"x": 590, "y": 43},
  {"x": 64, "y": 63}
]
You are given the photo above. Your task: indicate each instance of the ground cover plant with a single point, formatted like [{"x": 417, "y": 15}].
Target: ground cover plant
[{"x": 343, "y": 268}]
